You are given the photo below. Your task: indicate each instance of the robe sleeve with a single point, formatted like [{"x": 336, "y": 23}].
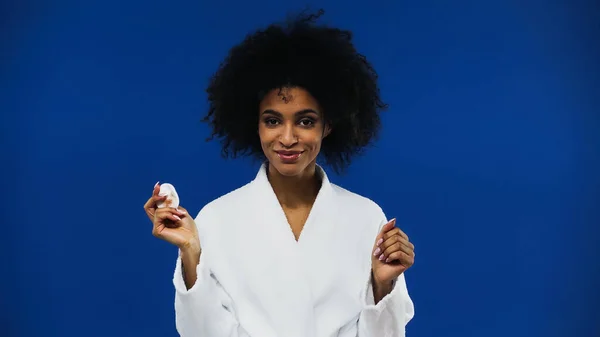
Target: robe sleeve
[
  {"x": 389, "y": 317},
  {"x": 205, "y": 309}
]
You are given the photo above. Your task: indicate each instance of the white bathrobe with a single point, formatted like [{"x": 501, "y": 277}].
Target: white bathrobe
[{"x": 255, "y": 279}]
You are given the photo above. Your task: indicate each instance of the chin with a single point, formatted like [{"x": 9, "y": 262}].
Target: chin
[{"x": 289, "y": 170}]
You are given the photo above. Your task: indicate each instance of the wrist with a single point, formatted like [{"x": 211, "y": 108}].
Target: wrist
[
  {"x": 381, "y": 283},
  {"x": 190, "y": 259},
  {"x": 381, "y": 287},
  {"x": 190, "y": 248}
]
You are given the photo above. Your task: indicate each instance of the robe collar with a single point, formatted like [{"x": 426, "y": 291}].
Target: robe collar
[
  {"x": 319, "y": 208},
  {"x": 325, "y": 189}
]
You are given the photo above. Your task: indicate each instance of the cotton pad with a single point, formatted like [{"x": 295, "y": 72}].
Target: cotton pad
[{"x": 169, "y": 191}]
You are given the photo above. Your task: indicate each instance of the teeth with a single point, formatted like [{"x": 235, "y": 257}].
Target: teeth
[{"x": 172, "y": 196}]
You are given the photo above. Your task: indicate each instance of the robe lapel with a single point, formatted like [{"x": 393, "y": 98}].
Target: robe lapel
[
  {"x": 320, "y": 211},
  {"x": 326, "y": 255},
  {"x": 290, "y": 274},
  {"x": 283, "y": 290}
]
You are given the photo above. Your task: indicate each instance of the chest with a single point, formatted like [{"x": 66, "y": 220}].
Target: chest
[
  {"x": 329, "y": 259},
  {"x": 316, "y": 280},
  {"x": 296, "y": 218}
]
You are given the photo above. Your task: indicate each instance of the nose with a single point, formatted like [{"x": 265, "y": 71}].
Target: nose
[{"x": 288, "y": 136}]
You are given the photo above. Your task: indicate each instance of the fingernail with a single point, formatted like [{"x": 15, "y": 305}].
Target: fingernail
[
  {"x": 181, "y": 211},
  {"x": 156, "y": 184},
  {"x": 393, "y": 221},
  {"x": 380, "y": 241},
  {"x": 176, "y": 217},
  {"x": 387, "y": 260},
  {"x": 377, "y": 251},
  {"x": 381, "y": 257}
]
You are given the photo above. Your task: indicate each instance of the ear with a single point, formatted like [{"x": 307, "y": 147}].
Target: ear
[{"x": 326, "y": 130}]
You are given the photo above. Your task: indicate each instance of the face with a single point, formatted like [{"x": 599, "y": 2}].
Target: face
[{"x": 291, "y": 129}]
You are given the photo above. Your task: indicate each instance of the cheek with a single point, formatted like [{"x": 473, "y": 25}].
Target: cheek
[
  {"x": 263, "y": 135},
  {"x": 315, "y": 142}
]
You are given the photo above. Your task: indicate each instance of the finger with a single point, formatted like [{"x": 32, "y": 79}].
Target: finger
[
  {"x": 151, "y": 206},
  {"x": 156, "y": 189},
  {"x": 175, "y": 211},
  {"x": 389, "y": 225},
  {"x": 179, "y": 213},
  {"x": 155, "y": 192},
  {"x": 384, "y": 237},
  {"x": 402, "y": 234},
  {"x": 398, "y": 245},
  {"x": 394, "y": 239},
  {"x": 393, "y": 232},
  {"x": 404, "y": 259},
  {"x": 154, "y": 199},
  {"x": 163, "y": 214},
  {"x": 384, "y": 248}
]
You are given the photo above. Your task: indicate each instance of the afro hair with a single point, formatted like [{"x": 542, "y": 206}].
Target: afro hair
[{"x": 297, "y": 53}]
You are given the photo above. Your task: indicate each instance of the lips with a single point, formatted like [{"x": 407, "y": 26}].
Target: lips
[{"x": 289, "y": 156}]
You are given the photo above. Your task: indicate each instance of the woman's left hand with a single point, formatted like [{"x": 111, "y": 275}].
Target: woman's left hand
[{"x": 392, "y": 255}]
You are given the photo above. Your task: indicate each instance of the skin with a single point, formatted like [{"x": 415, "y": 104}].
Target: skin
[
  {"x": 177, "y": 227},
  {"x": 290, "y": 120},
  {"x": 291, "y": 130},
  {"x": 393, "y": 254}
]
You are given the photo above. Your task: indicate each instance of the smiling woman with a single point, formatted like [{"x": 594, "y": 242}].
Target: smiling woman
[
  {"x": 290, "y": 253},
  {"x": 297, "y": 54},
  {"x": 291, "y": 130}
]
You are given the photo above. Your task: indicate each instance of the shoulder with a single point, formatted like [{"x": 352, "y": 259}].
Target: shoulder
[
  {"x": 220, "y": 206},
  {"x": 362, "y": 215},
  {"x": 219, "y": 217},
  {"x": 361, "y": 206}
]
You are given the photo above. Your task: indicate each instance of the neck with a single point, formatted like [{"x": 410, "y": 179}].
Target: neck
[{"x": 295, "y": 191}]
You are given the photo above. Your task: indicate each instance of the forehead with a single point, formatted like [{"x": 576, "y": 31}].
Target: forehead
[{"x": 288, "y": 100}]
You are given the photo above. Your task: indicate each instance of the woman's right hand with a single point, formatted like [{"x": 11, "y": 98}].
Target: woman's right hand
[{"x": 175, "y": 226}]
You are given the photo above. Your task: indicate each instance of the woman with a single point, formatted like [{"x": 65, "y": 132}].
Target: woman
[{"x": 290, "y": 254}]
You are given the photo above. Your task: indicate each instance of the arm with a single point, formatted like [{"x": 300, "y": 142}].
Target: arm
[
  {"x": 381, "y": 290},
  {"x": 388, "y": 307},
  {"x": 202, "y": 307},
  {"x": 390, "y": 315},
  {"x": 190, "y": 258}
]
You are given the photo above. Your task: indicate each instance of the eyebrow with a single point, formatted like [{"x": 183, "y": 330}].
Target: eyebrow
[{"x": 297, "y": 113}]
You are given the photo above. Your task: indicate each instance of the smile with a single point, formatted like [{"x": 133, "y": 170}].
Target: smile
[{"x": 289, "y": 156}]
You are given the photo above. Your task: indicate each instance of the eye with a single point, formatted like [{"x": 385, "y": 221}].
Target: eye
[
  {"x": 271, "y": 121},
  {"x": 307, "y": 122}
]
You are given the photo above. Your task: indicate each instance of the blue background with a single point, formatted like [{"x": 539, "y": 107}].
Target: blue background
[{"x": 489, "y": 157}]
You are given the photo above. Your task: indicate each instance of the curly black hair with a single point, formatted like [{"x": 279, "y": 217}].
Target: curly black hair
[{"x": 297, "y": 53}]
